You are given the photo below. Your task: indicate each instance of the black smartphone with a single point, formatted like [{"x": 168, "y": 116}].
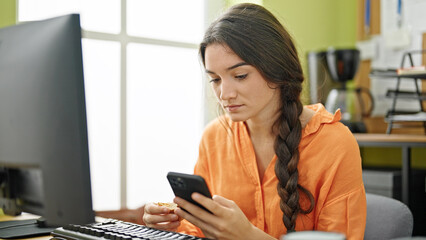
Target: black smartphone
[{"x": 184, "y": 185}]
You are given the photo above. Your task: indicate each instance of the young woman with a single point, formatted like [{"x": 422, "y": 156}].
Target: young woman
[{"x": 274, "y": 165}]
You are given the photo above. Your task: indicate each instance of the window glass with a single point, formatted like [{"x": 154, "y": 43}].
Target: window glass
[
  {"x": 102, "y": 85},
  {"x": 95, "y": 15},
  {"x": 166, "y": 19},
  {"x": 101, "y": 15},
  {"x": 164, "y": 92},
  {"x": 164, "y": 86}
]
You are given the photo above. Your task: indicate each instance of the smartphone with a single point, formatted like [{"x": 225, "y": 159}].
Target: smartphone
[{"x": 184, "y": 185}]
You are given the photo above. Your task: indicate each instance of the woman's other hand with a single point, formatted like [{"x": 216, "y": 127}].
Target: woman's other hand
[
  {"x": 160, "y": 217},
  {"x": 226, "y": 220}
]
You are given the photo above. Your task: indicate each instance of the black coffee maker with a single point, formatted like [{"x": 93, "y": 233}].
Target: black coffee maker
[{"x": 342, "y": 66}]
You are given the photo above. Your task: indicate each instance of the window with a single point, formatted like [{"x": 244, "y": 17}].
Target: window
[
  {"x": 144, "y": 92},
  {"x": 164, "y": 110}
]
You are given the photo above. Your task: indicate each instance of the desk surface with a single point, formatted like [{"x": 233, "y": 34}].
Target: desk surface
[
  {"x": 24, "y": 216},
  {"x": 390, "y": 138}
]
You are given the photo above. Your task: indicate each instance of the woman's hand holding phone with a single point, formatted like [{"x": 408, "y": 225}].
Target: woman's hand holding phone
[
  {"x": 217, "y": 217},
  {"x": 226, "y": 220},
  {"x": 160, "y": 217}
]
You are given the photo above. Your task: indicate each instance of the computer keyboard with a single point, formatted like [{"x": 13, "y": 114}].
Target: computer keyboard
[{"x": 116, "y": 230}]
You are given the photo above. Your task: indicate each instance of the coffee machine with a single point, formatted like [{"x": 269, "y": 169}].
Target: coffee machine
[{"x": 341, "y": 66}]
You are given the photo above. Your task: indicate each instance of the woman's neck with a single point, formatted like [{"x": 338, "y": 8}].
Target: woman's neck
[{"x": 261, "y": 127}]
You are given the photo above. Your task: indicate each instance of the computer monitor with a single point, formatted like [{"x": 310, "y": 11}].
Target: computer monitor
[{"x": 44, "y": 156}]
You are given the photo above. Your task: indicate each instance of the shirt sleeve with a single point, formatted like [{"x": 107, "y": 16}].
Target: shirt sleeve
[
  {"x": 343, "y": 206},
  {"x": 188, "y": 228},
  {"x": 345, "y": 214}
]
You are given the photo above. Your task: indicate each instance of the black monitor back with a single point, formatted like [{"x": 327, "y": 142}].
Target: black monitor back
[{"x": 44, "y": 156}]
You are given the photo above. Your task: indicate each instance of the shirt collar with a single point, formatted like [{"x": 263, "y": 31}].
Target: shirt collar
[{"x": 321, "y": 116}]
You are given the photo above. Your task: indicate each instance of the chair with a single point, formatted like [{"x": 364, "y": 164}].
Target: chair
[{"x": 387, "y": 218}]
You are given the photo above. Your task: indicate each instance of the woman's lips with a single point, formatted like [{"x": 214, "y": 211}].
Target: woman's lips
[{"x": 233, "y": 108}]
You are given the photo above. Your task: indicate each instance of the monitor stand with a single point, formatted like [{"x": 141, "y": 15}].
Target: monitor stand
[{"x": 24, "y": 228}]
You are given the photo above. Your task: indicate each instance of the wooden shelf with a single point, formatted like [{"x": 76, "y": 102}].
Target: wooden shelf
[
  {"x": 364, "y": 139},
  {"x": 389, "y": 74}
]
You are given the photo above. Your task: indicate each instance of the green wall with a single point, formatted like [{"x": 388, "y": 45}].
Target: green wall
[
  {"x": 392, "y": 157},
  {"x": 229, "y": 3},
  {"x": 316, "y": 25},
  {"x": 7, "y": 12}
]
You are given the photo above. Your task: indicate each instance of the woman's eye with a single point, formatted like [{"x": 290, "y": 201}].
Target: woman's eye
[
  {"x": 241, "y": 77},
  {"x": 214, "y": 80}
]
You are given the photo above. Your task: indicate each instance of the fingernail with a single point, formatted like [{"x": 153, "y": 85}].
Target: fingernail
[{"x": 195, "y": 196}]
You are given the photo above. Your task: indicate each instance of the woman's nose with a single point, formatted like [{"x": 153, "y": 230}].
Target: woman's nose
[{"x": 227, "y": 90}]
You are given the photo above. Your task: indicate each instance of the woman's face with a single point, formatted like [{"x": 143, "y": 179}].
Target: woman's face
[{"x": 240, "y": 88}]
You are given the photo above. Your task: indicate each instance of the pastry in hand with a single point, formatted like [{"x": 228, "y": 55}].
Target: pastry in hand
[{"x": 170, "y": 206}]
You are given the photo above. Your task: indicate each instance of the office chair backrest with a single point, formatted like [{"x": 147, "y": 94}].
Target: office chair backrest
[{"x": 387, "y": 218}]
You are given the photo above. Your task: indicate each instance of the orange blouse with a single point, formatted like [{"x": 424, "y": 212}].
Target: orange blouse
[{"x": 329, "y": 167}]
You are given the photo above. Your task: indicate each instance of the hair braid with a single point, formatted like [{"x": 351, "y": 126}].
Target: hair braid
[{"x": 286, "y": 149}]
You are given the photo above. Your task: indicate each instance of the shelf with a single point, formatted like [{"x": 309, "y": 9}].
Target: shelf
[
  {"x": 406, "y": 94},
  {"x": 394, "y": 74},
  {"x": 406, "y": 117}
]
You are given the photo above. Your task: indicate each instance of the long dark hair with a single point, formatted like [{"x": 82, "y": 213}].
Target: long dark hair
[{"x": 257, "y": 37}]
